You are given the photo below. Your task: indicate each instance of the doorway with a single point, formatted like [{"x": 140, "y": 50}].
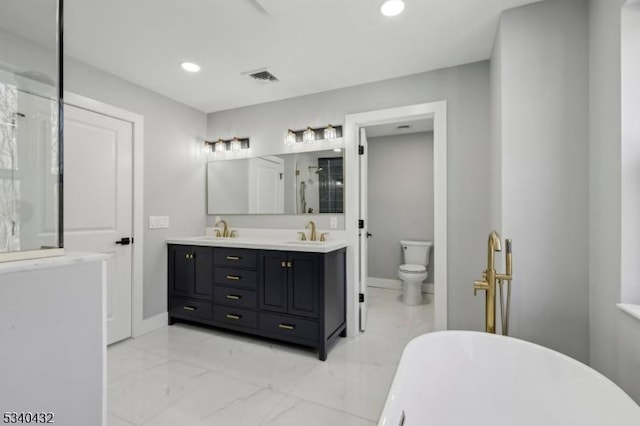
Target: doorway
[
  {"x": 356, "y": 230},
  {"x": 92, "y": 118}
]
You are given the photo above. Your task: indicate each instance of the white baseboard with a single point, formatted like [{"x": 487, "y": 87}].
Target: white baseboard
[
  {"x": 151, "y": 324},
  {"x": 384, "y": 283},
  {"x": 395, "y": 284}
]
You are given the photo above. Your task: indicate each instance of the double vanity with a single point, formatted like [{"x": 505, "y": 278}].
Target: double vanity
[{"x": 283, "y": 289}]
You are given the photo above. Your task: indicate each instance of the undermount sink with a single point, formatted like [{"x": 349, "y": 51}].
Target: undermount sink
[{"x": 305, "y": 242}]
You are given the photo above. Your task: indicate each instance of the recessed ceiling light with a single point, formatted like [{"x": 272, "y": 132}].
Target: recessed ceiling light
[
  {"x": 392, "y": 7},
  {"x": 190, "y": 66}
]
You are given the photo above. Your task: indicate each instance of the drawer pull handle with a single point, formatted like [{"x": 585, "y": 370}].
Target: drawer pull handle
[
  {"x": 286, "y": 326},
  {"x": 233, "y": 277},
  {"x": 283, "y": 264},
  {"x": 233, "y": 297},
  {"x": 289, "y": 264},
  {"x": 234, "y": 317},
  {"x": 189, "y": 308},
  {"x": 233, "y": 257}
]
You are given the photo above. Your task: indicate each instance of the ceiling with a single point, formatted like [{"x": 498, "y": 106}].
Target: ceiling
[
  {"x": 309, "y": 45},
  {"x": 400, "y": 128}
]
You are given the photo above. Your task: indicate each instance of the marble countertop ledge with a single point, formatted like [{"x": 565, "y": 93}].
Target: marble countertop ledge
[{"x": 70, "y": 258}]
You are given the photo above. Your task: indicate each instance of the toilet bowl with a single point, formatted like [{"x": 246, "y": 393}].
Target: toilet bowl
[{"x": 414, "y": 271}]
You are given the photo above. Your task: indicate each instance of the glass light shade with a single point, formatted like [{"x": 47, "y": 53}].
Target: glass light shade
[
  {"x": 236, "y": 145},
  {"x": 308, "y": 135},
  {"x": 330, "y": 132},
  {"x": 220, "y": 146},
  {"x": 290, "y": 138}
]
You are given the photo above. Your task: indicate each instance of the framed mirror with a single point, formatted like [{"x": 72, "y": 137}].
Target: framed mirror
[
  {"x": 299, "y": 183},
  {"x": 30, "y": 131}
]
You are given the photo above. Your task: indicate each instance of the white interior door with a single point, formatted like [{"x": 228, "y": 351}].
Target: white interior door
[
  {"x": 363, "y": 233},
  {"x": 266, "y": 189},
  {"x": 98, "y": 197}
]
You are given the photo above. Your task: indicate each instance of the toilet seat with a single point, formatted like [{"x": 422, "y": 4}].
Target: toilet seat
[{"x": 412, "y": 269}]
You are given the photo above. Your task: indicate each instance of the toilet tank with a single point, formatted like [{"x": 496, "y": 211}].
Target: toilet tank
[{"x": 416, "y": 252}]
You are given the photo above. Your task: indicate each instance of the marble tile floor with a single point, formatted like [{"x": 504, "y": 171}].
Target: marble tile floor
[{"x": 195, "y": 376}]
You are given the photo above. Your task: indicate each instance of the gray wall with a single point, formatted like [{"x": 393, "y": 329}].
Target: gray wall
[
  {"x": 400, "y": 199},
  {"x": 174, "y": 166},
  {"x": 615, "y": 336},
  {"x": 466, "y": 90},
  {"x": 495, "y": 193},
  {"x": 544, "y": 138}
]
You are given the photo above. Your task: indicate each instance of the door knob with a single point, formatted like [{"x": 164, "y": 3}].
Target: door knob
[{"x": 125, "y": 241}]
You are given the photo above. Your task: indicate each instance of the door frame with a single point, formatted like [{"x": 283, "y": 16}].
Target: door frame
[
  {"x": 139, "y": 325},
  {"x": 353, "y": 122}
]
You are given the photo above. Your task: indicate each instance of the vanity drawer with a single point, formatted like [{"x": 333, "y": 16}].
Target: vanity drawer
[
  {"x": 236, "y": 278},
  {"x": 235, "y": 297},
  {"x": 191, "y": 309},
  {"x": 286, "y": 326},
  {"x": 235, "y": 316},
  {"x": 244, "y": 258}
]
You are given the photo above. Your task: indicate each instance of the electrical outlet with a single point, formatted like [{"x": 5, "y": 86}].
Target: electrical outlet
[
  {"x": 158, "y": 222},
  {"x": 333, "y": 222}
]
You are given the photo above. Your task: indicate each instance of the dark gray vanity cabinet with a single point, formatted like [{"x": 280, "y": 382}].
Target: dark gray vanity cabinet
[
  {"x": 302, "y": 297},
  {"x": 294, "y": 296},
  {"x": 190, "y": 278},
  {"x": 289, "y": 283}
]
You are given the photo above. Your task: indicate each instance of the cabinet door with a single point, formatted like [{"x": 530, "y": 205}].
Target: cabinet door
[
  {"x": 273, "y": 281},
  {"x": 181, "y": 271},
  {"x": 303, "y": 284},
  {"x": 203, "y": 273}
]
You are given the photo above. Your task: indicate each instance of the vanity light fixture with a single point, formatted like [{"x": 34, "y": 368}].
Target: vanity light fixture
[
  {"x": 290, "y": 138},
  {"x": 236, "y": 145},
  {"x": 330, "y": 133},
  {"x": 224, "y": 145},
  {"x": 190, "y": 66},
  {"x": 308, "y": 135},
  {"x": 392, "y": 7},
  {"x": 220, "y": 146}
]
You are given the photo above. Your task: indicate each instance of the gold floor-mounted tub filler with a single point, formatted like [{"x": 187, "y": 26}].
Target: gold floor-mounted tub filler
[{"x": 491, "y": 279}]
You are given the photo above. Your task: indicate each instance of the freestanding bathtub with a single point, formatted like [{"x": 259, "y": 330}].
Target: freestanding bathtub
[{"x": 470, "y": 378}]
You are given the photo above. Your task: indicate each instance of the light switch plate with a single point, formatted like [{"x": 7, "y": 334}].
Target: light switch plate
[
  {"x": 158, "y": 222},
  {"x": 333, "y": 222}
]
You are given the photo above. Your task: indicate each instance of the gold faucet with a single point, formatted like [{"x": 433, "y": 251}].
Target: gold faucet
[
  {"x": 488, "y": 284},
  {"x": 225, "y": 230},
  {"x": 313, "y": 236}
]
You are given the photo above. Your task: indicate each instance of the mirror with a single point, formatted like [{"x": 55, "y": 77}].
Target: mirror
[
  {"x": 300, "y": 183},
  {"x": 30, "y": 208}
]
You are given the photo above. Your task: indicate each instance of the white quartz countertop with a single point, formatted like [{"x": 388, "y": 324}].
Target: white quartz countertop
[{"x": 262, "y": 243}]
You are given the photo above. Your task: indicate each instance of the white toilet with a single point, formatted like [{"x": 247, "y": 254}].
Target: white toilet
[{"x": 414, "y": 270}]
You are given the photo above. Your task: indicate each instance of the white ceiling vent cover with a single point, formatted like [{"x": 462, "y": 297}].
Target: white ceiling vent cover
[{"x": 262, "y": 76}]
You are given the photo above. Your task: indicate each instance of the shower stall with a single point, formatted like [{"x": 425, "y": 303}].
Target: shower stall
[{"x": 30, "y": 129}]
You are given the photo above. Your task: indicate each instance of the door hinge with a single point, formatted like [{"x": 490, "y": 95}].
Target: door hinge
[
  {"x": 361, "y": 298},
  {"x": 360, "y": 224},
  {"x": 360, "y": 149}
]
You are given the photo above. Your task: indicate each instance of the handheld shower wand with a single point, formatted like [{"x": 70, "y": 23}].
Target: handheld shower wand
[{"x": 505, "y": 307}]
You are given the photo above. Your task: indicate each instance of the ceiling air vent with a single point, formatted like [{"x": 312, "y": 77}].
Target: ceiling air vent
[{"x": 262, "y": 76}]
